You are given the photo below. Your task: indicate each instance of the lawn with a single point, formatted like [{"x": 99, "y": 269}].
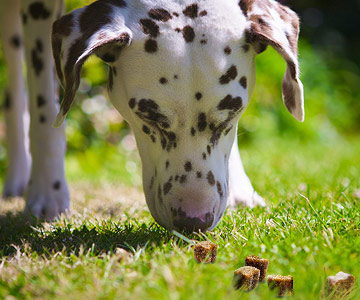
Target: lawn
[
  {"x": 308, "y": 173},
  {"x": 310, "y": 229}
]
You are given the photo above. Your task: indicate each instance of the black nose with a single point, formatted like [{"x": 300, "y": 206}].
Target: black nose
[{"x": 191, "y": 224}]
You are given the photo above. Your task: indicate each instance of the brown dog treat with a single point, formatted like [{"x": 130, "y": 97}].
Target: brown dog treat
[
  {"x": 205, "y": 252},
  {"x": 283, "y": 284},
  {"x": 340, "y": 285},
  {"x": 258, "y": 263},
  {"x": 246, "y": 278}
]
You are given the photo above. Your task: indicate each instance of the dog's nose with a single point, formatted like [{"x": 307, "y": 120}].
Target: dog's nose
[{"x": 187, "y": 223}]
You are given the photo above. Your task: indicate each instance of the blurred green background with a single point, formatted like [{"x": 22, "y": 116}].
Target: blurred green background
[{"x": 99, "y": 144}]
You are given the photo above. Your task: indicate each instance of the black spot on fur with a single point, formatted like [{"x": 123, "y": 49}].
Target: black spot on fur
[
  {"x": 40, "y": 101},
  {"x": 160, "y": 194},
  {"x": 198, "y": 174},
  {"x": 210, "y": 178},
  {"x": 198, "y": 96},
  {"x": 160, "y": 14},
  {"x": 175, "y": 14},
  {"x": 188, "y": 34},
  {"x": 227, "y": 50},
  {"x": 42, "y": 119},
  {"x": 203, "y": 42},
  {"x": 15, "y": 41},
  {"x": 167, "y": 187},
  {"x": 202, "y": 124},
  {"x": 39, "y": 45},
  {"x": 188, "y": 166},
  {"x": 193, "y": 131},
  {"x": 149, "y": 111},
  {"x": 244, "y": 5},
  {"x": 208, "y": 149},
  {"x": 151, "y": 183},
  {"x": 183, "y": 179},
  {"x": 153, "y": 138},
  {"x": 38, "y": 11},
  {"x": 37, "y": 62},
  {"x": 204, "y": 156},
  {"x": 151, "y": 46},
  {"x": 132, "y": 103},
  {"x": 203, "y": 13},
  {"x": 246, "y": 48},
  {"x": 243, "y": 82},
  {"x": 230, "y": 74},
  {"x": 167, "y": 164},
  {"x": 211, "y": 126},
  {"x": 150, "y": 27},
  {"x": 57, "y": 185},
  {"x": 146, "y": 129},
  {"x": 219, "y": 189},
  {"x": 191, "y": 11},
  {"x": 226, "y": 132},
  {"x": 163, "y": 80},
  {"x": 230, "y": 103}
]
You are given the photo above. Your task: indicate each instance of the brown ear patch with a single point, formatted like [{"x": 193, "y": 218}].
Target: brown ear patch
[
  {"x": 278, "y": 26},
  {"x": 61, "y": 28},
  {"x": 289, "y": 96},
  {"x": 245, "y": 6},
  {"x": 90, "y": 20}
]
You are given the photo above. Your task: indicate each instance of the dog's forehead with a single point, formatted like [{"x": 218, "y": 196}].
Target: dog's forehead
[{"x": 183, "y": 51}]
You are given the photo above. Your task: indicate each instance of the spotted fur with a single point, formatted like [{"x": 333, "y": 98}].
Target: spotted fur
[{"x": 181, "y": 73}]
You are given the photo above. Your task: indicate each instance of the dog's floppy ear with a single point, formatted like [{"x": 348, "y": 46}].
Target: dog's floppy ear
[
  {"x": 270, "y": 23},
  {"x": 95, "y": 29}
]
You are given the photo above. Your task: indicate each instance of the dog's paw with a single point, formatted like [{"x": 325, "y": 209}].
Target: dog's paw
[
  {"x": 14, "y": 187},
  {"x": 47, "y": 199},
  {"x": 248, "y": 199}
]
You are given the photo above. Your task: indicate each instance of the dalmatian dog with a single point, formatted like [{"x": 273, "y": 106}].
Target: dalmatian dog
[{"x": 181, "y": 72}]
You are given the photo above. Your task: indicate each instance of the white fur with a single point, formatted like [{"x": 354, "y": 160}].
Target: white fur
[
  {"x": 189, "y": 67},
  {"x": 47, "y": 144}
]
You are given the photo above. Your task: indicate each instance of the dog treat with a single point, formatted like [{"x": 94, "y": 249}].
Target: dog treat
[
  {"x": 205, "y": 252},
  {"x": 341, "y": 283},
  {"x": 283, "y": 284},
  {"x": 258, "y": 263},
  {"x": 246, "y": 278}
]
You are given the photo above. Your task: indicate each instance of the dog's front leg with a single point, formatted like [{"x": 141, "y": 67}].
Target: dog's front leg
[
  {"x": 15, "y": 104},
  {"x": 47, "y": 195},
  {"x": 241, "y": 191}
]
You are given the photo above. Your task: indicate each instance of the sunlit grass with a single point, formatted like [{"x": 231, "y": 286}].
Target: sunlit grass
[{"x": 309, "y": 230}]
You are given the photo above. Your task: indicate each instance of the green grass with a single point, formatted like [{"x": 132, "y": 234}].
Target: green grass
[{"x": 310, "y": 230}]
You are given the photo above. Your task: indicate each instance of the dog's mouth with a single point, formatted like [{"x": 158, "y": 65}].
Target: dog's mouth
[{"x": 186, "y": 208}]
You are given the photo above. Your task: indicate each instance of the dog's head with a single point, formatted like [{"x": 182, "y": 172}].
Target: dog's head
[{"x": 181, "y": 74}]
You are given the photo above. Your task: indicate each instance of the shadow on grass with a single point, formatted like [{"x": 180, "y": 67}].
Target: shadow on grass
[{"x": 16, "y": 231}]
